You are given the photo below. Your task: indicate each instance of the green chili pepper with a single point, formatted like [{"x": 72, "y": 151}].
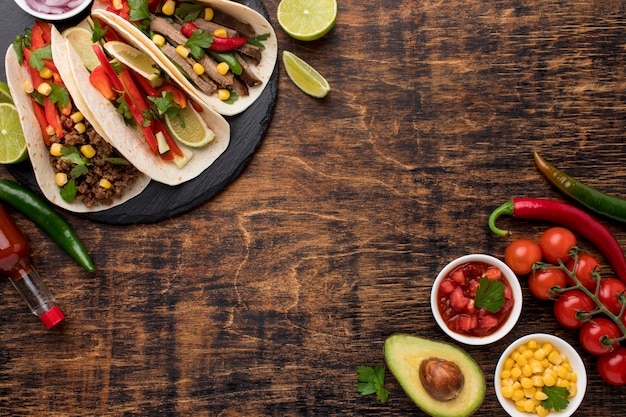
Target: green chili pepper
[
  {"x": 40, "y": 212},
  {"x": 595, "y": 200},
  {"x": 230, "y": 59}
]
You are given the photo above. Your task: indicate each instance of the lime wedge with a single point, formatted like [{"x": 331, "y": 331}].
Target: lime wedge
[
  {"x": 132, "y": 57},
  {"x": 5, "y": 93},
  {"x": 305, "y": 76},
  {"x": 307, "y": 20},
  {"x": 189, "y": 128},
  {"x": 12, "y": 142},
  {"x": 80, "y": 39}
]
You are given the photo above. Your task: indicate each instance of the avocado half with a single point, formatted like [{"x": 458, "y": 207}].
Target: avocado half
[{"x": 404, "y": 355}]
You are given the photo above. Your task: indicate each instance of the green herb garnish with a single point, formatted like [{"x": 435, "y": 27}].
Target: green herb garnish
[
  {"x": 189, "y": 11},
  {"x": 557, "y": 398},
  {"x": 139, "y": 10},
  {"x": 372, "y": 381},
  {"x": 68, "y": 191},
  {"x": 81, "y": 163},
  {"x": 490, "y": 295},
  {"x": 59, "y": 95},
  {"x": 198, "y": 41},
  {"x": 258, "y": 40},
  {"x": 38, "y": 56}
]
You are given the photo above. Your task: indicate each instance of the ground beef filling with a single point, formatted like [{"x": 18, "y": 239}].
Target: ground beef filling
[{"x": 88, "y": 188}]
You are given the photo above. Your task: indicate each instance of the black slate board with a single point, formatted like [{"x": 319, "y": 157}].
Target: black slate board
[{"x": 159, "y": 201}]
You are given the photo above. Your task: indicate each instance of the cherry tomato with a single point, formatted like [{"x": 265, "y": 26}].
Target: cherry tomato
[
  {"x": 612, "y": 366},
  {"x": 521, "y": 254},
  {"x": 609, "y": 294},
  {"x": 586, "y": 264},
  {"x": 593, "y": 332},
  {"x": 569, "y": 304},
  {"x": 555, "y": 244},
  {"x": 540, "y": 282}
]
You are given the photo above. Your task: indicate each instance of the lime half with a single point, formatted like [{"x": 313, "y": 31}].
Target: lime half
[
  {"x": 305, "y": 76},
  {"x": 132, "y": 57},
  {"x": 80, "y": 39},
  {"x": 5, "y": 93},
  {"x": 189, "y": 128},
  {"x": 12, "y": 142},
  {"x": 307, "y": 20}
]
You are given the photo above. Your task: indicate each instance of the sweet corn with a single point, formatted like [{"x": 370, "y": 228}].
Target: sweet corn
[
  {"x": 77, "y": 117},
  {"x": 45, "y": 73},
  {"x": 220, "y": 33},
  {"x": 88, "y": 151},
  {"x": 222, "y": 68},
  {"x": 223, "y": 94},
  {"x": 104, "y": 183},
  {"x": 44, "y": 89},
  {"x": 198, "y": 68},
  {"x": 158, "y": 40},
  {"x": 528, "y": 369},
  {"x": 28, "y": 87},
  {"x": 182, "y": 51},
  {"x": 208, "y": 13},
  {"x": 55, "y": 149},
  {"x": 117, "y": 4},
  {"x": 169, "y": 7},
  {"x": 50, "y": 130},
  {"x": 80, "y": 128},
  {"x": 60, "y": 178}
]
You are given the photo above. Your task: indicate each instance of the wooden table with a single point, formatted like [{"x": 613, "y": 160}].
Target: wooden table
[{"x": 264, "y": 300}]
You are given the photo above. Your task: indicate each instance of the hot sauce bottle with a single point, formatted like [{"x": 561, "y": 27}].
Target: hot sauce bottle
[{"x": 15, "y": 264}]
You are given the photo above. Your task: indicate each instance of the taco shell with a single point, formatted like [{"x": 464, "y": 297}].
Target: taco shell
[
  {"x": 129, "y": 141},
  {"x": 263, "y": 71},
  {"x": 38, "y": 152}
]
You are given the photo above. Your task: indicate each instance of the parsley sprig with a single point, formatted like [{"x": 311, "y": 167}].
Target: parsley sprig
[
  {"x": 372, "y": 381},
  {"x": 557, "y": 398},
  {"x": 490, "y": 295}
]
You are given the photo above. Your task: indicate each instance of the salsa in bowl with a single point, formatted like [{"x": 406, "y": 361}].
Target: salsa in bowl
[{"x": 476, "y": 299}]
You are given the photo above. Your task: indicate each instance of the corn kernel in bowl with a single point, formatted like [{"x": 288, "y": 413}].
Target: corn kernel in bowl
[{"x": 533, "y": 362}]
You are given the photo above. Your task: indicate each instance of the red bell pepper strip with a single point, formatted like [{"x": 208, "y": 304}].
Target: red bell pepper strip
[
  {"x": 52, "y": 116},
  {"x": 144, "y": 84},
  {"x": 568, "y": 216},
  {"x": 177, "y": 95},
  {"x": 170, "y": 141},
  {"x": 100, "y": 80},
  {"x": 43, "y": 123}
]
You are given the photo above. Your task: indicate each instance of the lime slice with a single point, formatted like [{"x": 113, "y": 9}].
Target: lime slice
[
  {"x": 80, "y": 39},
  {"x": 12, "y": 142},
  {"x": 5, "y": 93},
  {"x": 307, "y": 20},
  {"x": 189, "y": 128},
  {"x": 305, "y": 76},
  {"x": 132, "y": 57}
]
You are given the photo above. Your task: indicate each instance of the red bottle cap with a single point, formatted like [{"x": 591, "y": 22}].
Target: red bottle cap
[{"x": 52, "y": 317}]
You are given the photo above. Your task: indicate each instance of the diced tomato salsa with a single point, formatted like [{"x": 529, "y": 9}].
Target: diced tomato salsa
[{"x": 456, "y": 295}]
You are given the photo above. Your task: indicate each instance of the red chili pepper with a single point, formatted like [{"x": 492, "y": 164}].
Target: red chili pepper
[
  {"x": 568, "y": 216},
  {"x": 188, "y": 29},
  {"x": 227, "y": 44},
  {"x": 219, "y": 44}
]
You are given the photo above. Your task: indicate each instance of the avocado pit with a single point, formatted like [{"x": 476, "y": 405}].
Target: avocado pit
[{"x": 442, "y": 379}]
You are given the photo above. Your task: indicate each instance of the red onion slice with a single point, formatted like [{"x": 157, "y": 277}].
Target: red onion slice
[{"x": 53, "y": 6}]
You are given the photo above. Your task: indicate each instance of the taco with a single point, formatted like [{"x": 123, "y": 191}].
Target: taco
[
  {"x": 210, "y": 32},
  {"x": 146, "y": 116},
  {"x": 75, "y": 166}
]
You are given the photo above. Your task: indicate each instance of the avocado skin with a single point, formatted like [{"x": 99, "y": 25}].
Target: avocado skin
[{"x": 403, "y": 355}]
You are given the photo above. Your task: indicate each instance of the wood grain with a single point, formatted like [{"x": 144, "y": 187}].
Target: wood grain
[{"x": 264, "y": 300}]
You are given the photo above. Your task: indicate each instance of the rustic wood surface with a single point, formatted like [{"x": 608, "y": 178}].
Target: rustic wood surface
[{"x": 263, "y": 301}]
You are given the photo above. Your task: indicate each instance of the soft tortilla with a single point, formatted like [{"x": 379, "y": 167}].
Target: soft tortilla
[
  {"x": 129, "y": 141},
  {"x": 38, "y": 151},
  {"x": 263, "y": 71}
]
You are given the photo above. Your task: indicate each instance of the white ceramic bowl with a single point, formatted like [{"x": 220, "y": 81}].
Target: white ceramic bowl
[
  {"x": 51, "y": 16},
  {"x": 506, "y": 326},
  {"x": 565, "y": 349}
]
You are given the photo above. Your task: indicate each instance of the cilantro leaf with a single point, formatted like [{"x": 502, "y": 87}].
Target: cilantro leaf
[
  {"x": 372, "y": 381},
  {"x": 138, "y": 10},
  {"x": 72, "y": 155},
  {"x": 97, "y": 32},
  {"x": 37, "y": 57},
  {"x": 189, "y": 11},
  {"x": 166, "y": 104},
  {"x": 68, "y": 192},
  {"x": 59, "y": 95},
  {"x": 557, "y": 398},
  {"x": 490, "y": 294},
  {"x": 258, "y": 40},
  {"x": 116, "y": 161},
  {"x": 198, "y": 41}
]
